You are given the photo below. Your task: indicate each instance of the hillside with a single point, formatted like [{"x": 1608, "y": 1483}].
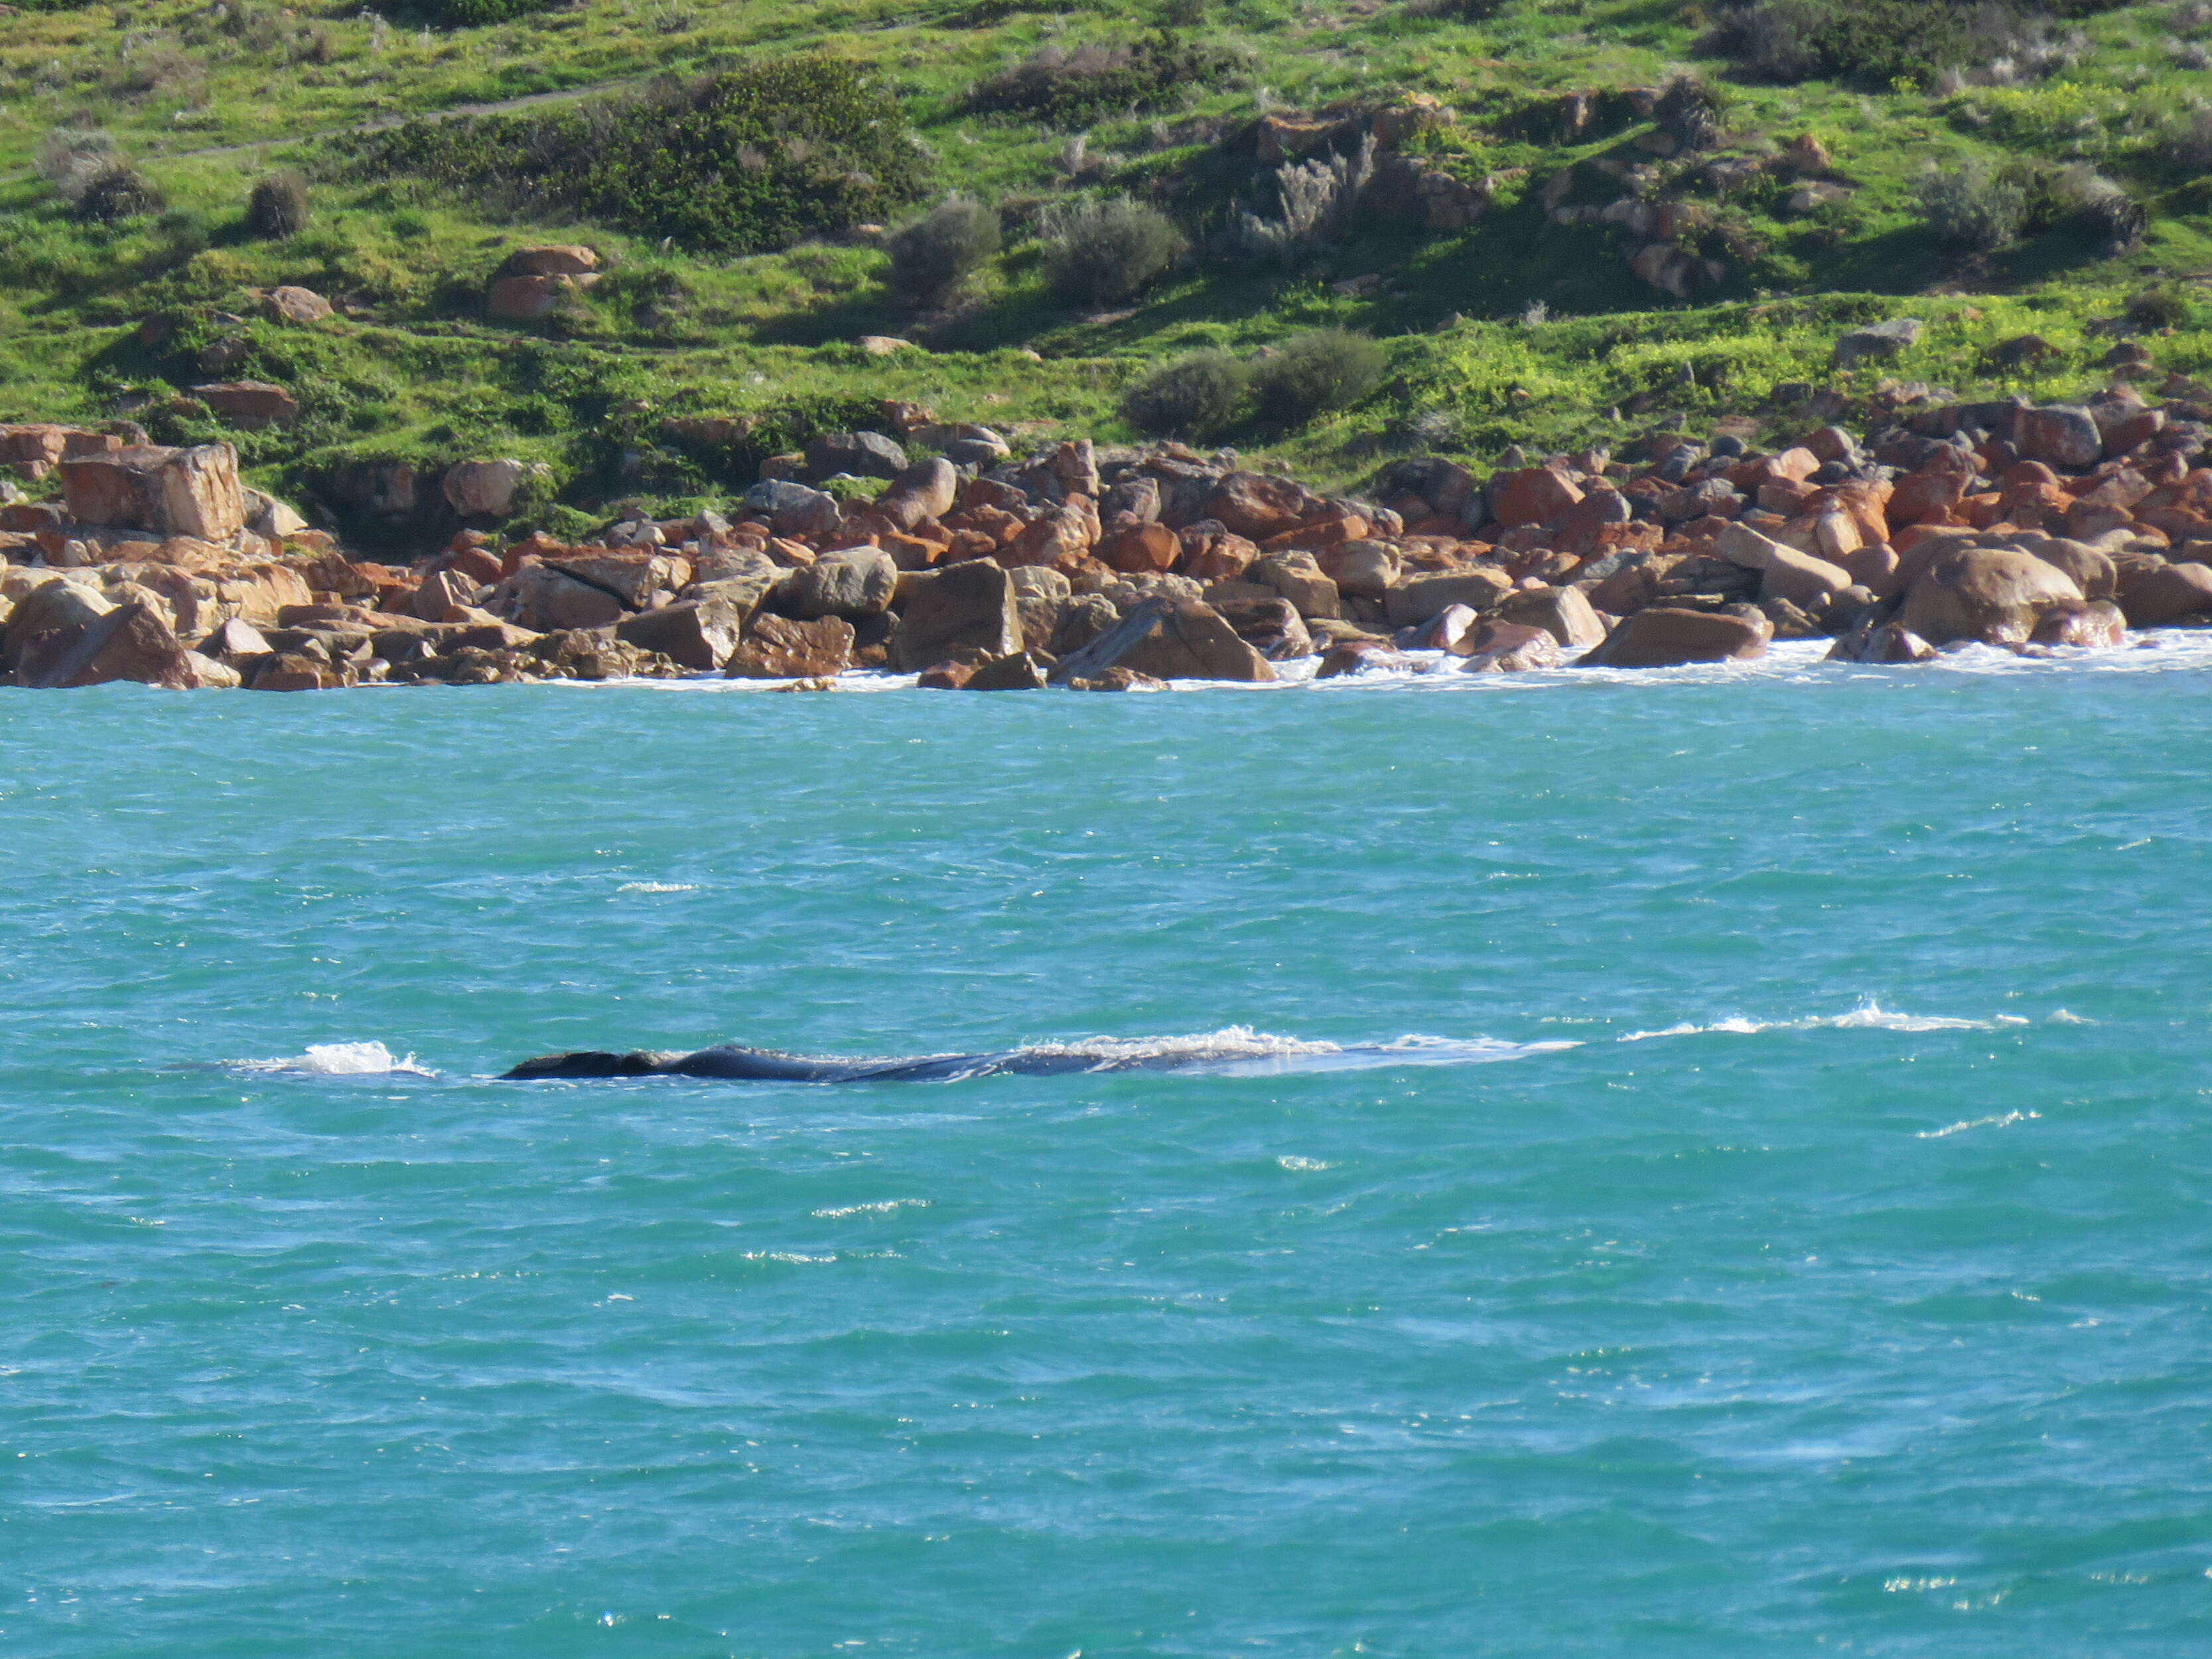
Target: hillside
[{"x": 1564, "y": 222}]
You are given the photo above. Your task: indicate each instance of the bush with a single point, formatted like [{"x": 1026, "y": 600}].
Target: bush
[
  {"x": 1193, "y": 396},
  {"x": 278, "y": 207},
  {"x": 119, "y": 193},
  {"x": 937, "y": 253},
  {"x": 1075, "y": 87},
  {"x": 1870, "y": 42},
  {"x": 1101, "y": 251},
  {"x": 69, "y": 158},
  {"x": 2159, "y": 308},
  {"x": 1317, "y": 202},
  {"x": 1971, "y": 207},
  {"x": 1314, "y": 373},
  {"x": 737, "y": 162}
]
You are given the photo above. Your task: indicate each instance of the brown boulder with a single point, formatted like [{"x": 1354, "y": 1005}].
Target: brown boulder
[
  {"x": 1136, "y": 549},
  {"x": 172, "y": 492},
  {"x": 2062, "y": 435},
  {"x": 249, "y": 405},
  {"x": 778, "y": 648},
  {"x": 1535, "y": 494},
  {"x": 1299, "y": 579},
  {"x": 700, "y": 634},
  {"x": 1480, "y": 588},
  {"x": 1360, "y": 566},
  {"x": 2158, "y": 595},
  {"x": 1662, "y": 636},
  {"x": 545, "y": 597},
  {"x": 1562, "y": 612},
  {"x": 297, "y": 305},
  {"x": 1993, "y": 595},
  {"x": 1251, "y": 505},
  {"x": 1880, "y": 642},
  {"x": 1016, "y": 672},
  {"x": 2098, "y": 624},
  {"x": 967, "y": 605},
  {"x": 551, "y": 259},
  {"x": 1506, "y": 648}
]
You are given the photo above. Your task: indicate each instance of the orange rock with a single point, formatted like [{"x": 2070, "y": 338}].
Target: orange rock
[
  {"x": 1533, "y": 495},
  {"x": 1138, "y": 548}
]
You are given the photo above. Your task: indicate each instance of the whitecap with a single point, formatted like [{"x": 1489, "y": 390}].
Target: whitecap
[
  {"x": 339, "y": 1060},
  {"x": 2002, "y": 1123},
  {"x": 1868, "y": 1016},
  {"x": 656, "y": 887},
  {"x": 1302, "y": 1165}
]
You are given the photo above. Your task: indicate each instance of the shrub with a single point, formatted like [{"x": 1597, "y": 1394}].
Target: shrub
[
  {"x": 1316, "y": 200},
  {"x": 1100, "y": 78},
  {"x": 1315, "y": 373},
  {"x": 737, "y": 162},
  {"x": 2088, "y": 202},
  {"x": 2159, "y": 308},
  {"x": 1972, "y": 207},
  {"x": 185, "y": 231},
  {"x": 937, "y": 253},
  {"x": 69, "y": 158},
  {"x": 120, "y": 192},
  {"x": 1870, "y": 42},
  {"x": 1193, "y": 396},
  {"x": 278, "y": 207},
  {"x": 1101, "y": 252}
]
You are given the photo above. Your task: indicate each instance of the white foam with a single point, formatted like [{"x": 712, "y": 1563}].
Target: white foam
[
  {"x": 340, "y": 1060},
  {"x": 1230, "y": 1043},
  {"x": 656, "y": 887},
  {"x": 1868, "y": 1016},
  {"x": 2005, "y": 1121}
]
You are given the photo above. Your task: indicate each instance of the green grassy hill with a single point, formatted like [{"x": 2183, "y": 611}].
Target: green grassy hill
[{"x": 741, "y": 230}]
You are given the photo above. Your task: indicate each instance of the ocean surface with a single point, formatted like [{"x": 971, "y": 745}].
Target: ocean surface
[{"x": 1778, "y": 1227}]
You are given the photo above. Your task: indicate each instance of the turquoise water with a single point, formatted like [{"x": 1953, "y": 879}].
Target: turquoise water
[{"x": 1830, "y": 1330}]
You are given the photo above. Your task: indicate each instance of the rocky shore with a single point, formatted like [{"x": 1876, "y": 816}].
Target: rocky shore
[{"x": 927, "y": 549}]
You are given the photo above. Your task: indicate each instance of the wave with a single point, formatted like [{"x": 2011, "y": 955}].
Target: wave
[
  {"x": 1786, "y": 661},
  {"x": 339, "y": 1060},
  {"x": 1868, "y": 1016}
]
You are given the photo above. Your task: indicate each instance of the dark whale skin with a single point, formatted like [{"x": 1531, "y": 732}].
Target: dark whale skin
[{"x": 730, "y": 1062}]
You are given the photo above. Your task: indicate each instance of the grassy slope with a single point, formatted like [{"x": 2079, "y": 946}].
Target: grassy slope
[{"x": 417, "y": 373}]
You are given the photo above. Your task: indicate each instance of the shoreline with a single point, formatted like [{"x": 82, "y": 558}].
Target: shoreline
[{"x": 2024, "y": 529}]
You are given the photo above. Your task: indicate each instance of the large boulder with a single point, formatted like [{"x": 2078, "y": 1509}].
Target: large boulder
[
  {"x": 1531, "y": 496},
  {"x": 249, "y": 405},
  {"x": 793, "y": 509},
  {"x": 969, "y": 607},
  {"x": 172, "y": 492},
  {"x": 632, "y": 578},
  {"x": 1169, "y": 638},
  {"x": 1479, "y": 587},
  {"x": 854, "y": 581},
  {"x": 777, "y": 649},
  {"x": 2160, "y": 594},
  {"x": 700, "y": 634},
  {"x": 1506, "y": 647},
  {"x": 486, "y": 489},
  {"x": 1360, "y": 566},
  {"x": 1562, "y": 612},
  {"x": 1297, "y": 577},
  {"x": 1877, "y": 342},
  {"x": 129, "y": 642},
  {"x": 1663, "y": 636},
  {"x": 544, "y": 598},
  {"x": 1253, "y": 505},
  {"x": 2063, "y": 435},
  {"x": 1993, "y": 595},
  {"x": 862, "y": 454}
]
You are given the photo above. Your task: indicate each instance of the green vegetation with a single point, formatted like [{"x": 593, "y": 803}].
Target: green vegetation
[{"x": 734, "y": 166}]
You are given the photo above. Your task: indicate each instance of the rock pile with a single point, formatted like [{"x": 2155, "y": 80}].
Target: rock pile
[{"x": 2000, "y": 523}]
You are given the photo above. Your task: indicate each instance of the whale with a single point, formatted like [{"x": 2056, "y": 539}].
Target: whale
[
  {"x": 731, "y": 1062},
  {"x": 1235, "y": 1052}
]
